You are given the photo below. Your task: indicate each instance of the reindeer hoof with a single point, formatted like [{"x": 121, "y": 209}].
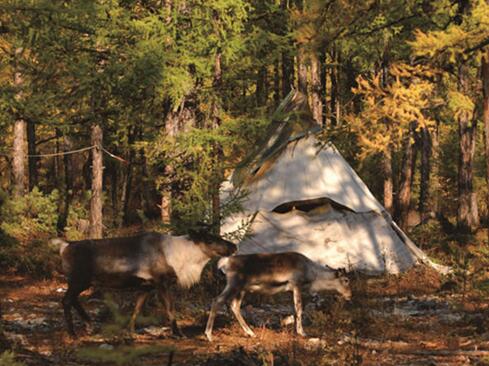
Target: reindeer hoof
[{"x": 209, "y": 336}]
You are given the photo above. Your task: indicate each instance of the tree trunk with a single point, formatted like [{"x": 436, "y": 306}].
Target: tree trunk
[
  {"x": 287, "y": 57},
  {"x": 68, "y": 184},
  {"x": 324, "y": 82},
  {"x": 261, "y": 87},
  {"x": 287, "y": 73},
  {"x": 96, "y": 223},
  {"x": 114, "y": 191},
  {"x": 388, "y": 183},
  {"x": 276, "y": 84},
  {"x": 317, "y": 95},
  {"x": 467, "y": 212},
  {"x": 424, "y": 190},
  {"x": 414, "y": 160},
  {"x": 31, "y": 146},
  {"x": 127, "y": 184},
  {"x": 19, "y": 154},
  {"x": 148, "y": 202},
  {"x": 57, "y": 159},
  {"x": 165, "y": 206},
  {"x": 334, "y": 88},
  {"x": 435, "y": 166},
  {"x": 218, "y": 153},
  {"x": 301, "y": 70},
  {"x": 485, "y": 119},
  {"x": 19, "y": 145},
  {"x": 404, "y": 197},
  {"x": 174, "y": 123}
]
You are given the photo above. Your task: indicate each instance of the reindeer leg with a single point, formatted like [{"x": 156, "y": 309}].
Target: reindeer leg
[
  {"x": 67, "y": 304},
  {"x": 168, "y": 302},
  {"x": 83, "y": 314},
  {"x": 298, "y": 311},
  {"x": 235, "y": 308},
  {"x": 229, "y": 291},
  {"x": 71, "y": 300},
  {"x": 137, "y": 309}
]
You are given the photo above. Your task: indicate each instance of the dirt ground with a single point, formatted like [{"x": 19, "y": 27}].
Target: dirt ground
[{"x": 413, "y": 320}]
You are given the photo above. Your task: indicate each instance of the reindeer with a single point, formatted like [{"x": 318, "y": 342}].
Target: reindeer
[
  {"x": 144, "y": 262},
  {"x": 272, "y": 273}
]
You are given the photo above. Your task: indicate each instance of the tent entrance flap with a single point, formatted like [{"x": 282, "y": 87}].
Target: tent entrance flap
[{"x": 310, "y": 206}]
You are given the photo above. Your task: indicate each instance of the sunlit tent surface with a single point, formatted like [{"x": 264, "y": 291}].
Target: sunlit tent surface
[{"x": 303, "y": 196}]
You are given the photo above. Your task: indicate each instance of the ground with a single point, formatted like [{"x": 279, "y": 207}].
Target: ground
[{"x": 411, "y": 320}]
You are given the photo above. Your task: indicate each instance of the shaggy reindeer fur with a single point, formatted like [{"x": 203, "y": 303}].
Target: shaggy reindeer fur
[
  {"x": 272, "y": 273},
  {"x": 143, "y": 262}
]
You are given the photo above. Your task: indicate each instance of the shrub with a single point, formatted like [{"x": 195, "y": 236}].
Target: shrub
[
  {"x": 78, "y": 220},
  {"x": 35, "y": 257},
  {"x": 8, "y": 359},
  {"x": 32, "y": 216},
  {"x": 26, "y": 225}
]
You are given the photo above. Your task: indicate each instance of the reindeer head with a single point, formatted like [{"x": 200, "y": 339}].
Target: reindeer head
[{"x": 212, "y": 245}]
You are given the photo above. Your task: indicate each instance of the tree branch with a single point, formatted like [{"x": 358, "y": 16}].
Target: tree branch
[
  {"x": 477, "y": 47},
  {"x": 384, "y": 26}
]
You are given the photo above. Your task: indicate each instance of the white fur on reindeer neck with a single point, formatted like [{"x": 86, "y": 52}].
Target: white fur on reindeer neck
[{"x": 186, "y": 258}]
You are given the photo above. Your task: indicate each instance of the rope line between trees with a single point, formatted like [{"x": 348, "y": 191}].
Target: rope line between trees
[
  {"x": 61, "y": 153},
  {"x": 49, "y": 155}
]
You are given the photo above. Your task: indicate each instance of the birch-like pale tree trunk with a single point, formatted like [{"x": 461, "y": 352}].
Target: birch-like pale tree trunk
[
  {"x": 316, "y": 92},
  {"x": 301, "y": 70},
  {"x": 19, "y": 143},
  {"x": 467, "y": 212},
  {"x": 96, "y": 217},
  {"x": 485, "y": 115},
  {"x": 31, "y": 148}
]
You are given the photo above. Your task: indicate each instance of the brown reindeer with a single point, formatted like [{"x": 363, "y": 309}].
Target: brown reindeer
[
  {"x": 144, "y": 262},
  {"x": 270, "y": 274}
]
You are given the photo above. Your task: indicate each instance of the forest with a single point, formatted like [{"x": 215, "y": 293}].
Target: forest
[{"x": 122, "y": 116}]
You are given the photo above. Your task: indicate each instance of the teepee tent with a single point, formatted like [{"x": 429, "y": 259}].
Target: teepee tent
[{"x": 303, "y": 196}]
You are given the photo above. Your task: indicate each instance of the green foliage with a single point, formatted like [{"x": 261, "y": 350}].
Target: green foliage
[
  {"x": 196, "y": 158},
  {"x": 457, "y": 40},
  {"x": 131, "y": 64},
  {"x": 115, "y": 331},
  {"x": 460, "y": 105},
  {"x": 77, "y": 221},
  {"x": 35, "y": 257},
  {"x": 33, "y": 215},
  {"x": 8, "y": 359},
  {"x": 431, "y": 237},
  {"x": 26, "y": 225}
]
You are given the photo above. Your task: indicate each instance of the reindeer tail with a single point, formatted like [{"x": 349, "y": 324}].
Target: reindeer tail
[{"x": 62, "y": 244}]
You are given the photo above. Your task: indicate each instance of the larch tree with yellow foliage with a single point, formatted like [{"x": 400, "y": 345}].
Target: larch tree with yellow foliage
[
  {"x": 391, "y": 113},
  {"x": 458, "y": 49}
]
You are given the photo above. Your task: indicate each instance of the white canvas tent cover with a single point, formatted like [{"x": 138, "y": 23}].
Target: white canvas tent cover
[{"x": 304, "y": 197}]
